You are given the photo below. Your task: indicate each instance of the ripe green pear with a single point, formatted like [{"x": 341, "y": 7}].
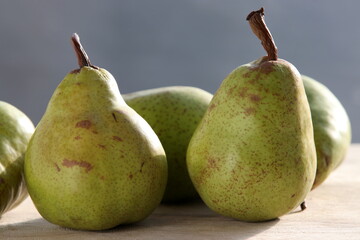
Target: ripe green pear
[
  {"x": 253, "y": 157},
  {"x": 332, "y": 128},
  {"x": 93, "y": 163},
  {"x": 174, "y": 113},
  {"x": 15, "y": 132}
]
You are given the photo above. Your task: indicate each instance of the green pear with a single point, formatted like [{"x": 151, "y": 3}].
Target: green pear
[
  {"x": 15, "y": 132},
  {"x": 93, "y": 163},
  {"x": 332, "y": 129},
  {"x": 252, "y": 157},
  {"x": 174, "y": 113}
]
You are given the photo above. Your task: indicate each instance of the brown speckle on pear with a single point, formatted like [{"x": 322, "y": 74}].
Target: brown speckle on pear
[
  {"x": 116, "y": 138},
  {"x": 57, "y": 167},
  {"x": 83, "y": 124},
  {"x": 83, "y": 164},
  {"x": 101, "y": 146},
  {"x": 142, "y": 165}
]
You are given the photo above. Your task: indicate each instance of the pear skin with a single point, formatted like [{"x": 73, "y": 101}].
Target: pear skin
[
  {"x": 174, "y": 113},
  {"x": 15, "y": 132},
  {"x": 93, "y": 163},
  {"x": 332, "y": 128},
  {"x": 253, "y": 157}
]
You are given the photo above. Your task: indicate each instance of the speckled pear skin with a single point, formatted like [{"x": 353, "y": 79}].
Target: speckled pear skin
[
  {"x": 332, "y": 128},
  {"x": 253, "y": 157},
  {"x": 15, "y": 132},
  {"x": 93, "y": 163},
  {"x": 174, "y": 113}
]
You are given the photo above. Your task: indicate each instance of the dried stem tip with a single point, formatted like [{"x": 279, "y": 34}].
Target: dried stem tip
[
  {"x": 259, "y": 28},
  {"x": 303, "y": 206},
  {"x": 83, "y": 59}
]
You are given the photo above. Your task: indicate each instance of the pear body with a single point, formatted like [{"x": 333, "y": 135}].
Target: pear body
[
  {"x": 332, "y": 128},
  {"x": 253, "y": 157},
  {"x": 174, "y": 113},
  {"x": 93, "y": 163},
  {"x": 15, "y": 132}
]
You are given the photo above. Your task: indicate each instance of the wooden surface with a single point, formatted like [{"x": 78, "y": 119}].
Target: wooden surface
[{"x": 333, "y": 213}]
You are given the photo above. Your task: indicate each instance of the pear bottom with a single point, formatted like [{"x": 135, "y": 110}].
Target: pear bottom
[{"x": 253, "y": 212}]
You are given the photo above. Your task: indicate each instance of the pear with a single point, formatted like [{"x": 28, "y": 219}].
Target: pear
[
  {"x": 93, "y": 163},
  {"x": 174, "y": 113},
  {"x": 332, "y": 128},
  {"x": 15, "y": 132},
  {"x": 252, "y": 157}
]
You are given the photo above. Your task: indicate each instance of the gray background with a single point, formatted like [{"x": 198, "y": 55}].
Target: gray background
[{"x": 149, "y": 44}]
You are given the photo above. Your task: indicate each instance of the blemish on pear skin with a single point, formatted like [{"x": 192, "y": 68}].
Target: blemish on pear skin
[
  {"x": 212, "y": 106},
  {"x": 102, "y": 178},
  {"x": 116, "y": 138},
  {"x": 249, "y": 111},
  {"x": 83, "y": 164},
  {"x": 114, "y": 116},
  {"x": 101, "y": 146},
  {"x": 243, "y": 92},
  {"x": 254, "y": 80},
  {"x": 231, "y": 90},
  {"x": 77, "y": 138},
  {"x": 293, "y": 195},
  {"x": 57, "y": 167},
  {"x": 254, "y": 97},
  {"x": 2, "y": 181},
  {"x": 83, "y": 124},
  {"x": 264, "y": 67},
  {"x": 130, "y": 176},
  {"x": 142, "y": 165},
  {"x": 212, "y": 163},
  {"x": 201, "y": 178},
  {"x": 246, "y": 75}
]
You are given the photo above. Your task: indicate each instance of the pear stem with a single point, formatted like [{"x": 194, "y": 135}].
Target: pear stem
[
  {"x": 83, "y": 59},
  {"x": 259, "y": 28}
]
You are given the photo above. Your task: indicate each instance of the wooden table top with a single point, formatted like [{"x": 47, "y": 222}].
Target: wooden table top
[{"x": 333, "y": 213}]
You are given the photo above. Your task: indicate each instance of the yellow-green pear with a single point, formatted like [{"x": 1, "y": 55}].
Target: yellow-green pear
[
  {"x": 253, "y": 157},
  {"x": 15, "y": 132},
  {"x": 93, "y": 163},
  {"x": 332, "y": 128},
  {"x": 174, "y": 113}
]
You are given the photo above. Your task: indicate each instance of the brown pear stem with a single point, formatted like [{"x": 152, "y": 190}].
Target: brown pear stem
[
  {"x": 83, "y": 59},
  {"x": 259, "y": 28}
]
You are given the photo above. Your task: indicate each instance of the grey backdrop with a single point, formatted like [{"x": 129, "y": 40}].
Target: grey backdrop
[{"x": 149, "y": 44}]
